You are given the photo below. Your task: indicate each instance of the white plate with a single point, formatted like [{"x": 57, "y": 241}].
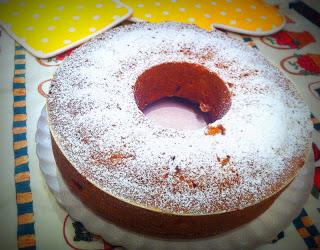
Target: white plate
[{"x": 251, "y": 235}]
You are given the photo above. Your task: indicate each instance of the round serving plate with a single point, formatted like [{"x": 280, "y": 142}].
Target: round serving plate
[{"x": 251, "y": 235}]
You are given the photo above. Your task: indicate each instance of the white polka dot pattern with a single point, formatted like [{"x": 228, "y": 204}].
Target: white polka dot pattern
[
  {"x": 236, "y": 15},
  {"x": 50, "y": 27}
]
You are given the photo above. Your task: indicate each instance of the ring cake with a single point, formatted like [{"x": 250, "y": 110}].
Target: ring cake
[{"x": 163, "y": 181}]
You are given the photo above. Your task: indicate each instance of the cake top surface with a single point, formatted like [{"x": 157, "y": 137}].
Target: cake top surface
[{"x": 96, "y": 122}]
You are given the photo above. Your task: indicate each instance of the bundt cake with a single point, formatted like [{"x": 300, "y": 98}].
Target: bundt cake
[{"x": 168, "y": 182}]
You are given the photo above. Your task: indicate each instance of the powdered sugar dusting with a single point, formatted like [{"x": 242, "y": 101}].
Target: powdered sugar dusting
[{"x": 98, "y": 126}]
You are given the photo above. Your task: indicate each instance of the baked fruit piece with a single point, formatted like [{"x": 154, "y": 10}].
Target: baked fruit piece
[{"x": 167, "y": 182}]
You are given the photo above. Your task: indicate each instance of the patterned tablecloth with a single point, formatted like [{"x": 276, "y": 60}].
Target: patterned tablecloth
[{"x": 30, "y": 217}]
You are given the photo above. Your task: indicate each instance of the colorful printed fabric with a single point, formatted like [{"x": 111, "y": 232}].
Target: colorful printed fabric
[
  {"x": 307, "y": 230},
  {"x": 26, "y": 231}
]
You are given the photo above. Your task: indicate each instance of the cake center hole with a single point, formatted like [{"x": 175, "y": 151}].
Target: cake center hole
[
  {"x": 176, "y": 112},
  {"x": 182, "y": 95}
]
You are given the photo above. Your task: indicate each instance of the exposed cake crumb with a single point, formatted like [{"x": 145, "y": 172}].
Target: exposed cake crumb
[
  {"x": 224, "y": 161},
  {"x": 214, "y": 130}
]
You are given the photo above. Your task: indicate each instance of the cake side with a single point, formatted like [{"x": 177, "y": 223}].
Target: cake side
[{"x": 145, "y": 221}]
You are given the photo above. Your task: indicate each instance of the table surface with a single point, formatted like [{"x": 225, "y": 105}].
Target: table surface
[{"x": 31, "y": 218}]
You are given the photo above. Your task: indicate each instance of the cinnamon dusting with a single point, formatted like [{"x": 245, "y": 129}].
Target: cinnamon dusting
[
  {"x": 224, "y": 161},
  {"x": 180, "y": 178},
  {"x": 112, "y": 159},
  {"x": 116, "y": 157}
]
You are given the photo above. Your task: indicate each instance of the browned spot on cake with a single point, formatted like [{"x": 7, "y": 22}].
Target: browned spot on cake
[
  {"x": 230, "y": 85},
  {"x": 206, "y": 54},
  {"x": 110, "y": 159},
  {"x": 192, "y": 184},
  {"x": 249, "y": 73},
  {"x": 165, "y": 175},
  {"x": 246, "y": 74},
  {"x": 204, "y": 107},
  {"x": 181, "y": 178},
  {"x": 164, "y": 172},
  {"x": 224, "y": 161},
  {"x": 232, "y": 179},
  {"x": 177, "y": 170},
  {"x": 85, "y": 140},
  {"x": 219, "y": 129},
  {"x": 229, "y": 182},
  {"x": 186, "y": 51},
  {"x": 222, "y": 66},
  {"x": 84, "y": 135},
  {"x": 118, "y": 157},
  {"x": 99, "y": 158}
]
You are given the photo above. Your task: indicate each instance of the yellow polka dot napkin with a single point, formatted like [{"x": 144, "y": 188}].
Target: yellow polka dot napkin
[
  {"x": 48, "y": 27},
  {"x": 253, "y": 17}
]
